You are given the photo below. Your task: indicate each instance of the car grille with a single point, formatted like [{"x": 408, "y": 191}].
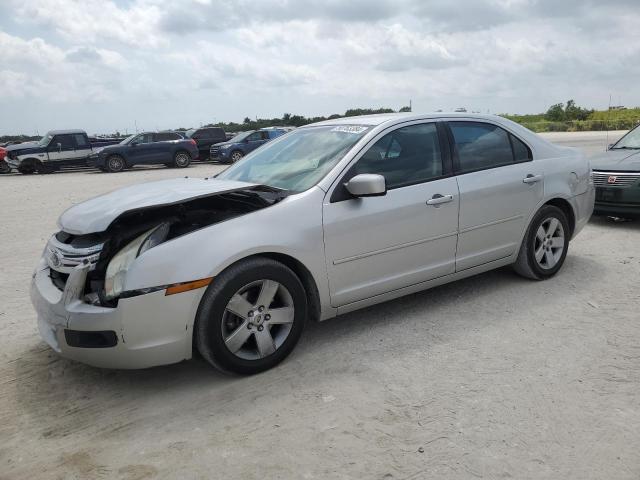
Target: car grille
[
  {"x": 63, "y": 257},
  {"x": 614, "y": 179},
  {"x": 214, "y": 152}
]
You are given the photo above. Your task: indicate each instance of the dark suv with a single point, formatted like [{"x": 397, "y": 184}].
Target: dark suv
[
  {"x": 205, "y": 137},
  {"x": 233, "y": 150}
]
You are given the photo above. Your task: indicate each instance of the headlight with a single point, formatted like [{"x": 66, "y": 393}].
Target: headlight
[
  {"x": 120, "y": 263},
  {"x": 224, "y": 147}
]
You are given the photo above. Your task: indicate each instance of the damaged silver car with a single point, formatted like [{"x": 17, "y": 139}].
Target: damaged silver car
[{"x": 324, "y": 220}]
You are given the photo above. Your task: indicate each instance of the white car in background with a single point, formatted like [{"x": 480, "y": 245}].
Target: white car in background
[{"x": 327, "y": 219}]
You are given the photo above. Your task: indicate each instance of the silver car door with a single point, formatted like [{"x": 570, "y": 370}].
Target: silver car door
[
  {"x": 377, "y": 244},
  {"x": 499, "y": 187}
]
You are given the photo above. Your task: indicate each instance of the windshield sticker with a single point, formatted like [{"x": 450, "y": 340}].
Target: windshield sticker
[{"x": 349, "y": 129}]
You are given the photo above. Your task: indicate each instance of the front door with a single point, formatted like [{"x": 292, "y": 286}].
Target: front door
[
  {"x": 141, "y": 149},
  {"x": 379, "y": 244},
  {"x": 62, "y": 147},
  {"x": 500, "y": 186}
]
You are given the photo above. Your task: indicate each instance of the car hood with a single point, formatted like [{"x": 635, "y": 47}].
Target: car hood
[
  {"x": 97, "y": 214},
  {"x": 617, "y": 160},
  {"x": 21, "y": 146}
]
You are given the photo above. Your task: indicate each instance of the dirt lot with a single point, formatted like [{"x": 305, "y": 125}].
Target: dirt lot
[{"x": 491, "y": 377}]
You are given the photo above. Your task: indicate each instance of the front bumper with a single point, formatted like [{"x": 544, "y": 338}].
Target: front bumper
[
  {"x": 220, "y": 154},
  {"x": 618, "y": 201},
  {"x": 151, "y": 329}
]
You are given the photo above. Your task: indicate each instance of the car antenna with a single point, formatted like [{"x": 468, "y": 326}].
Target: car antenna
[{"x": 608, "y": 122}]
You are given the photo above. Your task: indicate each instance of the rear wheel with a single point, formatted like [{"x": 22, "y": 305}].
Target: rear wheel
[
  {"x": 251, "y": 316},
  {"x": 545, "y": 245},
  {"x": 181, "y": 160},
  {"x": 115, "y": 163}
]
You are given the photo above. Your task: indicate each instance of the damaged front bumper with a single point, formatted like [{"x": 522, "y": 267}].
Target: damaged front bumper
[{"x": 142, "y": 331}]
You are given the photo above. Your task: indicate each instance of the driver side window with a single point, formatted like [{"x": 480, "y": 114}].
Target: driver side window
[{"x": 406, "y": 156}]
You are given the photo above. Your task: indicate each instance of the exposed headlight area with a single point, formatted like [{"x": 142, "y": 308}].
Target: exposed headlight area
[
  {"x": 109, "y": 255},
  {"x": 119, "y": 265}
]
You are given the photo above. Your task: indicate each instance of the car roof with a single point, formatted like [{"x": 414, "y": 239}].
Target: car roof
[
  {"x": 64, "y": 132},
  {"x": 379, "y": 119}
]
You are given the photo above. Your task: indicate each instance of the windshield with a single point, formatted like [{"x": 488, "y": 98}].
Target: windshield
[
  {"x": 44, "y": 141},
  {"x": 630, "y": 140},
  {"x": 297, "y": 161},
  {"x": 188, "y": 133},
  {"x": 127, "y": 140},
  {"x": 241, "y": 136}
]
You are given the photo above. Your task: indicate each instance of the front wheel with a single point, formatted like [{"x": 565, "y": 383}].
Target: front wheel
[
  {"x": 545, "y": 245},
  {"x": 115, "y": 163},
  {"x": 251, "y": 316},
  {"x": 4, "y": 167},
  {"x": 235, "y": 156}
]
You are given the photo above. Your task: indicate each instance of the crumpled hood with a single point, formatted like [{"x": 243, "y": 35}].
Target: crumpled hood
[
  {"x": 96, "y": 215},
  {"x": 21, "y": 146},
  {"x": 617, "y": 160}
]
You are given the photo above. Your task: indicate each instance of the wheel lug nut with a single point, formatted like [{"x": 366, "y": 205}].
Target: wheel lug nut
[
  {"x": 260, "y": 328},
  {"x": 267, "y": 317},
  {"x": 250, "y": 314},
  {"x": 250, "y": 326},
  {"x": 261, "y": 309}
]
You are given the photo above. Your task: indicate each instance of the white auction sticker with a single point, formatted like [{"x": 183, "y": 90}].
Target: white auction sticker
[{"x": 349, "y": 129}]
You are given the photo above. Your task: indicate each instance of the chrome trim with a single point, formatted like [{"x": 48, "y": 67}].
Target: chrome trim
[
  {"x": 622, "y": 179},
  {"x": 63, "y": 258}
]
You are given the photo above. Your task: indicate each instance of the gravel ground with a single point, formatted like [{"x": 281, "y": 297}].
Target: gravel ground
[{"x": 490, "y": 377}]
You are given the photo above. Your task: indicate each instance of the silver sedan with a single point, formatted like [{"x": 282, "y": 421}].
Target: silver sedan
[{"x": 327, "y": 219}]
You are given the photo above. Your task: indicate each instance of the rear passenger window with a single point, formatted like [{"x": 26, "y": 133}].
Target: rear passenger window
[
  {"x": 165, "y": 136},
  {"x": 480, "y": 146},
  {"x": 81, "y": 141},
  {"x": 406, "y": 156},
  {"x": 521, "y": 152}
]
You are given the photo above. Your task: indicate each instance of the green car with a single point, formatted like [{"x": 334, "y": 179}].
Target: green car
[{"x": 616, "y": 175}]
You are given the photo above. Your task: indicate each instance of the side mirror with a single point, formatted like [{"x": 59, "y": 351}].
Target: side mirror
[
  {"x": 367, "y": 185},
  {"x": 610, "y": 146},
  {"x": 59, "y": 145}
]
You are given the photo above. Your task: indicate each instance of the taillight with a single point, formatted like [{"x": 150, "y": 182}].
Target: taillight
[{"x": 192, "y": 141}]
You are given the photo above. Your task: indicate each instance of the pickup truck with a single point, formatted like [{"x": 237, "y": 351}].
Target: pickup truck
[
  {"x": 147, "y": 148},
  {"x": 56, "y": 149},
  {"x": 243, "y": 143},
  {"x": 205, "y": 137}
]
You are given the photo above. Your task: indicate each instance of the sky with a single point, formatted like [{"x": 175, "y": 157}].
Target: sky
[{"x": 127, "y": 65}]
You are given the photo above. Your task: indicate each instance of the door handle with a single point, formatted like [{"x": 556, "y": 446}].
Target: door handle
[
  {"x": 438, "y": 199},
  {"x": 532, "y": 179}
]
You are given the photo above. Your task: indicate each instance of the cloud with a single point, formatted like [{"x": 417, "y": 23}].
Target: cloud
[{"x": 184, "y": 62}]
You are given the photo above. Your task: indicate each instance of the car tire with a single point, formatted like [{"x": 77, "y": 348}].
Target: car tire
[
  {"x": 114, "y": 164},
  {"x": 254, "y": 342},
  {"x": 27, "y": 167},
  {"x": 236, "y": 155},
  {"x": 181, "y": 159},
  {"x": 4, "y": 167},
  {"x": 545, "y": 244}
]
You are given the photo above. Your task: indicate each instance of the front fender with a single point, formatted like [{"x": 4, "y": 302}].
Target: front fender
[{"x": 291, "y": 227}]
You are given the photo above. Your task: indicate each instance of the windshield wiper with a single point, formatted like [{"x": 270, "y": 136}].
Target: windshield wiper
[{"x": 625, "y": 148}]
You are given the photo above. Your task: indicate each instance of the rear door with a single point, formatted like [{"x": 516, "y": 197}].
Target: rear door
[
  {"x": 83, "y": 147},
  {"x": 500, "y": 186},
  {"x": 162, "y": 152}
]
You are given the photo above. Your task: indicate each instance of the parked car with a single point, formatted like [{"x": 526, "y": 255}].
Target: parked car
[
  {"x": 616, "y": 175},
  {"x": 333, "y": 217},
  {"x": 4, "y": 166},
  {"x": 168, "y": 148},
  {"x": 56, "y": 149},
  {"x": 243, "y": 143},
  {"x": 205, "y": 137}
]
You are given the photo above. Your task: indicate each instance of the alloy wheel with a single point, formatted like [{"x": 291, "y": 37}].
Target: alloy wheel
[
  {"x": 258, "y": 319},
  {"x": 182, "y": 159},
  {"x": 549, "y": 243}
]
